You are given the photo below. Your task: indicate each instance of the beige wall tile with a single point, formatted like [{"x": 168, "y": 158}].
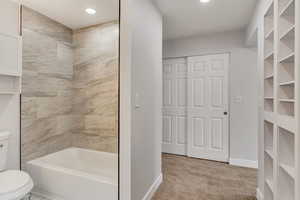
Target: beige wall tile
[
  {"x": 69, "y": 91},
  {"x": 46, "y": 86},
  {"x": 96, "y": 86},
  {"x": 41, "y": 24}
]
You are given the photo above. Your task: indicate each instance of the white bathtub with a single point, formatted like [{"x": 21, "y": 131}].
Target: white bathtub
[{"x": 76, "y": 174}]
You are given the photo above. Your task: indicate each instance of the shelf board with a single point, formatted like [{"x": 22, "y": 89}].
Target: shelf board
[
  {"x": 269, "y": 33},
  {"x": 269, "y": 98},
  {"x": 287, "y": 122},
  {"x": 269, "y": 151},
  {"x": 269, "y": 76},
  {"x": 269, "y": 117},
  {"x": 288, "y": 59},
  {"x": 11, "y": 36},
  {"x": 8, "y": 92},
  {"x": 289, "y": 170},
  {"x": 269, "y": 55},
  {"x": 287, "y": 100},
  {"x": 9, "y": 74},
  {"x": 270, "y": 184},
  {"x": 284, "y": 9},
  {"x": 288, "y": 32},
  {"x": 287, "y": 83},
  {"x": 270, "y": 11}
]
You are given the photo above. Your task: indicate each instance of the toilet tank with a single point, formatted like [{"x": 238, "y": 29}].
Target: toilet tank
[{"x": 4, "y": 137}]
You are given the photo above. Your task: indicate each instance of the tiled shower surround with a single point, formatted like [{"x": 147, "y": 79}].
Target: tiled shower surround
[
  {"x": 95, "y": 84},
  {"x": 69, "y": 86}
]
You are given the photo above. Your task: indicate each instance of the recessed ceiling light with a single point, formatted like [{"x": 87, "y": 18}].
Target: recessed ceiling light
[
  {"x": 204, "y": 1},
  {"x": 90, "y": 11}
]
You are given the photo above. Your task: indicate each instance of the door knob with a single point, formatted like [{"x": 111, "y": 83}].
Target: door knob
[{"x": 225, "y": 113}]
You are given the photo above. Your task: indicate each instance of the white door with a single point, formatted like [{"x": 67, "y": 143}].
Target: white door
[
  {"x": 174, "y": 106},
  {"x": 207, "y": 108}
]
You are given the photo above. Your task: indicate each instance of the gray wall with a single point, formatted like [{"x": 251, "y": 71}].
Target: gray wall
[
  {"x": 243, "y": 82},
  {"x": 147, "y": 82}
]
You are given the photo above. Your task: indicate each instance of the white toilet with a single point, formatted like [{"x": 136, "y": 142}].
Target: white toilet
[{"x": 14, "y": 184}]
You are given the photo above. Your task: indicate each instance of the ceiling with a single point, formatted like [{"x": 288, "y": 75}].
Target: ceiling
[
  {"x": 186, "y": 18},
  {"x": 72, "y": 12}
]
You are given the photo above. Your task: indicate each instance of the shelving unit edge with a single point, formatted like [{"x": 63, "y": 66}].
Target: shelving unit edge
[{"x": 282, "y": 111}]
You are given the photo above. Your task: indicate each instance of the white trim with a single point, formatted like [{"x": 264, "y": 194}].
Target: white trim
[
  {"x": 259, "y": 195},
  {"x": 125, "y": 102},
  {"x": 244, "y": 163},
  {"x": 153, "y": 188},
  {"x": 253, "y": 26}
]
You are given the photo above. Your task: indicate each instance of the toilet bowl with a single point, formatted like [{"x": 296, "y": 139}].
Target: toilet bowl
[{"x": 14, "y": 185}]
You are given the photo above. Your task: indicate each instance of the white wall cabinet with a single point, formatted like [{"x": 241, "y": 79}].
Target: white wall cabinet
[
  {"x": 10, "y": 63},
  {"x": 10, "y": 49},
  {"x": 10, "y": 77},
  {"x": 10, "y": 54},
  {"x": 281, "y": 100}
]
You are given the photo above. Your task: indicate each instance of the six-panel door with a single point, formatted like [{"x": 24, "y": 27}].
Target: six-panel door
[
  {"x": 195, "y": 109},
  {"x": 174, "y": 106},
  {"x": 207, "y": 107}
]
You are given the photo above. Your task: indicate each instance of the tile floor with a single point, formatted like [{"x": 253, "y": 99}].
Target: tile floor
[
  {"x": 33, "y": 197},
  {"x": 37, "y": 198},
  {"x": 195, "y": 179}
]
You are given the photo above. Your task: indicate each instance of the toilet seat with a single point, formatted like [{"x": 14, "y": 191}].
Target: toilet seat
[{"x": 14, "y": 184}]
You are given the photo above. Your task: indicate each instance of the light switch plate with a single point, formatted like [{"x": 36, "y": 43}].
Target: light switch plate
[{"x": 137, "y": 101}]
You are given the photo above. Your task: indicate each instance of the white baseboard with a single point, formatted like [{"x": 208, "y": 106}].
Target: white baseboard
[
  {"x": 259, "y": 195},
  {"x": 244, "y": 163},
  {"x": 153, "y": 188}
]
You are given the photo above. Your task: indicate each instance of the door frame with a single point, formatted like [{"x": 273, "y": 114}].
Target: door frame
[{"x": 228, "y": 88}]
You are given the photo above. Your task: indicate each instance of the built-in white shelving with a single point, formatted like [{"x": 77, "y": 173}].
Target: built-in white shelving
[
  {"x": 8, "y": 92},
  {"x": 270, "y": 34},
  {"x": 289, "y": 170},
  {"x": 287, "y": 100},
  {"x": 287, "y": 83},
  {"x": 269, "y": 61},
  {"x": 9, "y": 85},
  {"x": 10, "y": 64},
  {"x": 10, "y": 74},
  {"x": 281, "y": 80},
  {"x": 269, "y": 98},
  {"x": 268, "y": 193},
  {"x": 286, "y": 54},
  {"x": 286, "y": 185},
  {"x": 270, "y": 76}
]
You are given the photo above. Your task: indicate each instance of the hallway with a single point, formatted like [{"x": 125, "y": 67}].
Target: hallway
[{"x": 195, "y": 179}]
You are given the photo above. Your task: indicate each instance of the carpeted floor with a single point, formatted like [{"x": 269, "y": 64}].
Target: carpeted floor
[{"x": 195, "y": 179}]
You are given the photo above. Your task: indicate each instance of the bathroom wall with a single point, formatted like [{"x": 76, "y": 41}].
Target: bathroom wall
[
  {"x": 69, "y": 86},
  {"x": 95, "y": 83},
  {"x": 46, "y": 105}
]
